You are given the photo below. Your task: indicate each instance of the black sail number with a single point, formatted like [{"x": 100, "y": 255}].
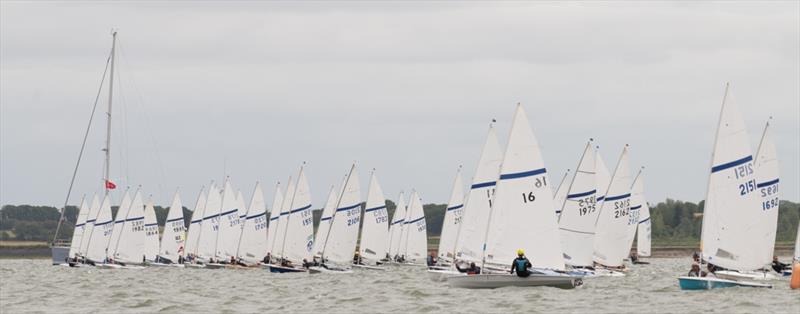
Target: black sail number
[{"x": 528, "y": 197}]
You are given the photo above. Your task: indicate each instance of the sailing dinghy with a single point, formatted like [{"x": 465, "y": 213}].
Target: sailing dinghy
[
  {"x": 415, "y": 236},
  {"x": 641, "y": 229},
  {"x": 253, "y": 242},
  {"x": 373, "y": 246},
  {"x": 340, "y": 242},
  {"x": 151, "y": 235},
  {"x": 193, "y": 234},
  {"x": 732, "y": 216},
  {"x": 173, "y": 240},
  {"x": 521, "y": 217},
  {"x": 395, "y": 228},
  {"x": 452, "y": 222},
  {"x": 297, "y": 235},
  {"x": 612, "y": 227},
  {"x": 77, "y": 235}
]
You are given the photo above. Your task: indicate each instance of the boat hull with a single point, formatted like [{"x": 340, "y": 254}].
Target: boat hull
[
  {"x": 282, "y": 269},
  {"x": 164, "y": 265},
  {"x": 492, "y": 281},
  {"x": 440, "y": 275},
  {"x": 323, "y": 270},
  {"x": 707, "y": 283},
  {"x": 215, "y": 266},
  {"x": 193, "y": 265},
  {"x": 748, "y": 275}
]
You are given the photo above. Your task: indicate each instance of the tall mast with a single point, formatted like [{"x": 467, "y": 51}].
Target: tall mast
[{"x": 108, "y": 124}]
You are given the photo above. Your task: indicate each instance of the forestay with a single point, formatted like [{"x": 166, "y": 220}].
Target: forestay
[
  {"x": 101, "y": 232},
  {"x": 129, "y": 247},
  {"x": 375, "y": 229},
  {"x": 325, "y": 221},
  {"x": 522, "y": 216},
  {"x": 299, "y": 233},
  {"x": 579, "y": 215},
  {"x": 416, "y": 235},
  {"x": 611, "y": 232},
  {"x": 767, "y": 174},
  {"x": 151, "y": 236},
  {"x": 340, "y": 243},
  {"x": 452, "y": 220},
  {"x": 77, "y": 234},
  {"x": 253, "y": 243},
  {"x": 732, "y": 207},
  {"x": 193, "y": 234},
  {"x": 172, "y": 242},
  {"x": 472, "y": 234}
]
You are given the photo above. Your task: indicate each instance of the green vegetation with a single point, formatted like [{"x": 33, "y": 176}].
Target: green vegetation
[{"x": 673, "y": 222}]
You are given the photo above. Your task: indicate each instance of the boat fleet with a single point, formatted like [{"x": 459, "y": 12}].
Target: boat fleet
[{"x": 583, "y": 228}]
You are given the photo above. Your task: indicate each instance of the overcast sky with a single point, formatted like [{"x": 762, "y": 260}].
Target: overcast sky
[{"x": 253, "y": 89}]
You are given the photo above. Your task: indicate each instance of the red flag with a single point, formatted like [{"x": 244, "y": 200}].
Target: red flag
[{"x": 110, "y": 185}]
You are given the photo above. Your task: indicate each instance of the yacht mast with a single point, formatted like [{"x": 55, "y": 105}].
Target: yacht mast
[{"x": 107, "y": 173}]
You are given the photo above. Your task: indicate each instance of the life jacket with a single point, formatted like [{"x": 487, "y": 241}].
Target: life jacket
[{"x": 521, "y": 264}]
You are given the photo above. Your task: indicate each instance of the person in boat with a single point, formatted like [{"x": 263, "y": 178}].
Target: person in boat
[
  {"x": 286, "y": 263},
  {"x": 471, "y": 270},
  {"x": 696, "y": 272},
  {"x": 267, "y": 258},
  {"x": 521, "y": 264},
  {"x": 432, "y": 259},
  {"x": 180, "y": 259},
  {"x": 777, "y": 266},
  {"x": 307, "y": 264},
  {"x": 696, "y": 257},
  {"x": 634, "y": 257}
]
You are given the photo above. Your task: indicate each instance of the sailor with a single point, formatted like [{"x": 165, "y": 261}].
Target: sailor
[
  {"x": 306, "y": 264},
  {"x": 521, "y": 264},
  {"x": 696, "y": 257},
  {"x": 472, "y": 270},
  {"x": 777, "y": 266},
  {"x": 432, "y": 259},
  {"x": 695, "y": 272}
]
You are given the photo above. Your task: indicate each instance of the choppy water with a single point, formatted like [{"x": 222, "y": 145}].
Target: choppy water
[{"x": 36, "y": 286}]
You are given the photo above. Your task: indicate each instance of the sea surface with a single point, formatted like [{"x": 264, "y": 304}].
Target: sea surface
[{"x": 36, "y": 286}]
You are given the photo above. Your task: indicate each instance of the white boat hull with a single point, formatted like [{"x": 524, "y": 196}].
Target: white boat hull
[
  {"x": 164, "y": 265},
  {"x": 323, "y": 270},
  {"x": 746, "y": 275},
  {"x": 193, "y": 265},
  {"x": 440, "y": 275},
  {"x": 492, "y": 281}
]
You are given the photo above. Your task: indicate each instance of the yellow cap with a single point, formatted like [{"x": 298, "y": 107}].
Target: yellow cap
[{"x": 520, "y": 252}]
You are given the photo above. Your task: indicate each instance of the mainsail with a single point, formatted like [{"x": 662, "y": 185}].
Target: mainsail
[
  {"x": 767, "y": 175},
  {"x": 577, "y": 221},
  {"x": 151, "y": 236},
  {"x": 77, "y": 234},
  {"x": 522, "y": 213},
  {"x": 253, "y": 243},
  {"x": 612, "y": 219},
  {"x": 340, "y": 243},
  {"x": 416, "y": 233},
  {"x": 375, "y": 228},
  {"x": 452, "y": 220},
  {"x": 172, "y": 242}
]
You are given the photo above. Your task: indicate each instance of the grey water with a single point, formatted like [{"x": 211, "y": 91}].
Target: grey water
[{"x": 36, "y": 286}]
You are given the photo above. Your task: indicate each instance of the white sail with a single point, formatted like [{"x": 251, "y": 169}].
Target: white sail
[
  {"x": 643, "y": 231},
  {"x": 101, "y": 233},
  {"x": 193, "y": 234},
  {"x": 340, "y": 245},
  {"x": 129, "y": 248},
  {"x": 278, "y": 219},
  {"x": 77, "y": 233},
  {"x": 472, "y": 234},
  {"x": 577, "y": 222},
  {"x": 402, "y": 250},
  {"x": 603, "y": 178},
  {"x": 325, "y": 222},
  {"x": 151, "y": 236},
  {"x": 119, "y": 222},
  {"x": 273, "y": 211},
  {"x": 91, "y": 217},
  {"x": 299, "y": 233},
  {"x": 732, "y": 206},
  {"x": 374, "y": 244},
  {"x": 208, "y": 229},
  {"x": 253, "y": 243},
  {"x": 229, "y": 229},
  {"x": 797, "y": 245},
  {"x": 561, "y": 193},
  {"x": 395, "y": 228},
  {"x": 638, "y": 201},
  {"x": 172, "y": 242},
  {"x": 611, "y": 231},
  {"x": 416, "y": 233},
  {"x": 452, "y": 220},
  {"x": 767, "y": 175},
  {"x": 522, "y": 215}
]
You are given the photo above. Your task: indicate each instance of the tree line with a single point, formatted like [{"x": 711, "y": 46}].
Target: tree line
[{"x": 673, "y": 222}]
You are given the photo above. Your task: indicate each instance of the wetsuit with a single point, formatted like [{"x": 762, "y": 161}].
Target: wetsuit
[
  {"x": 521, "y": 265},
  {"x": 778, "y": 266}
]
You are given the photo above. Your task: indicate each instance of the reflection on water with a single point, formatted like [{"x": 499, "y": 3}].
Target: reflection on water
[{"x": 34, "y": 285}]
